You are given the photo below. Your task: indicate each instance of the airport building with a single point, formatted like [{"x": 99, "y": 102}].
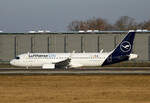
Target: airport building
[{"x": 12, "y": 44}]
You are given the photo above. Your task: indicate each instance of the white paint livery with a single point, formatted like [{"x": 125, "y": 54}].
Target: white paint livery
[{"x": 43, "y": 59}]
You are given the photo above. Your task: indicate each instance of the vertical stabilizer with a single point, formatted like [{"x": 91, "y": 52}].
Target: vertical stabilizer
[{"x": 122, "y": 51}]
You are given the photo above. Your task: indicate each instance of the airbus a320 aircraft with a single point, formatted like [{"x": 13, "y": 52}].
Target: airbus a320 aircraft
[{"x": 73, "y": 60}]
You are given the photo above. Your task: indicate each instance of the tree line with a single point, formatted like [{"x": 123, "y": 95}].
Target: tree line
[{"x": 122, "y": 24}]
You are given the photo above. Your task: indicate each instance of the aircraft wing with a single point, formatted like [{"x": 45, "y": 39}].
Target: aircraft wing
[{"x": 63, "y": 64}]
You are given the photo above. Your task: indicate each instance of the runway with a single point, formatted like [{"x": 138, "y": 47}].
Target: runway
[{"x": 102, "y": 71}]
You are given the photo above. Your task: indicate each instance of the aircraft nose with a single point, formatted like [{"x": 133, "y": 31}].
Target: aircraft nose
[{"x": 12, "y": 62}]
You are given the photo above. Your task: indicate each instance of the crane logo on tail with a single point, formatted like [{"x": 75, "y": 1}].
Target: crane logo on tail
[{"x": 125, "y": 46}]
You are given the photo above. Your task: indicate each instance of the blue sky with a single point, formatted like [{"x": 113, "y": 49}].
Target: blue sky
[{"x": 55, "y": 15}]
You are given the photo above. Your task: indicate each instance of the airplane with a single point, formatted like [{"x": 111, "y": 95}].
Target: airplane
[{"x": 121, "y": 53}]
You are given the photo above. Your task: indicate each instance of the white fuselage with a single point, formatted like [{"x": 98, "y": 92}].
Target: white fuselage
[{"x": 77, "y": 59}]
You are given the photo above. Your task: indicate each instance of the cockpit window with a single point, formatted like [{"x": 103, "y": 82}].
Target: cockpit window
[{"x": 17, "y": 57}]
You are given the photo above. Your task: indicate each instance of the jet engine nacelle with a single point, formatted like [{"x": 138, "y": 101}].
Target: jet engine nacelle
[
  {"x": 133, "y": 56},
  {"x": 48, "y": 66},
  {"x": 75, "y": 65}
]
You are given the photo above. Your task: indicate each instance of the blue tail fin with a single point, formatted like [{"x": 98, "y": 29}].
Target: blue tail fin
[{"x": 122, "y": 51}]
